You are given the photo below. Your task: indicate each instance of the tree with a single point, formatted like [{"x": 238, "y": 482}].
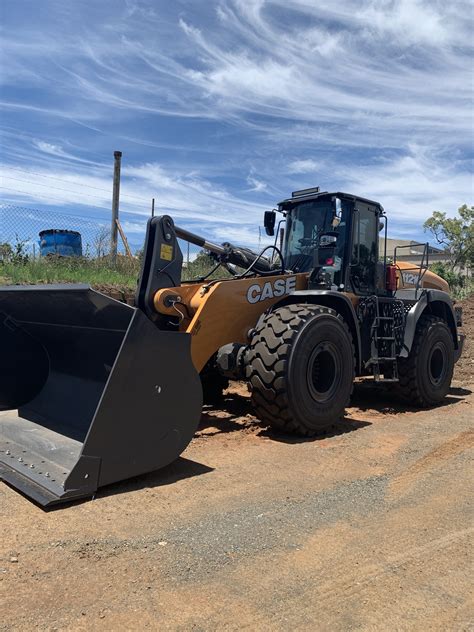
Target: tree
[
  {"x": 200, "y": 266},
  {"x": 456, "y": 234},
  {"x": 453, "y": 279},
  {"x": 102, "y": 242},
  {"x": 6, "y": 252}
]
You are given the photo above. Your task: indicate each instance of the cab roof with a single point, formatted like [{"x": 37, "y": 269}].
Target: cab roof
[{"x": 306, "y": 195}]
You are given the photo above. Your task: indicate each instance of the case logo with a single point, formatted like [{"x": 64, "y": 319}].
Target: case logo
[{"x": 271, "y": 289}]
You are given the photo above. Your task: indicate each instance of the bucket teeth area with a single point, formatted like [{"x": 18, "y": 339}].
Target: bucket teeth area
[{"x": 41, "y": 454}]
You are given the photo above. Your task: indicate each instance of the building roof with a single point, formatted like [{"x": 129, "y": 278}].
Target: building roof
[{"x": 406, "y": 247}]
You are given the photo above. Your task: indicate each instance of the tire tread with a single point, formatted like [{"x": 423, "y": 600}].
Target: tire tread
[
  {"x": 408, "y": 385},
  {"x": 267, "y": 363}
]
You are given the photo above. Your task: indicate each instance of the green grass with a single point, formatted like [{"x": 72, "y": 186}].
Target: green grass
[
  {"x": 71, "y": 270},
  {"x": 95, "y": 272},
  {"x": 124, "y": 274}
]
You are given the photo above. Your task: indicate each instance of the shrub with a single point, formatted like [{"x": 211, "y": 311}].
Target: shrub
[{"x": 461, "y": 286}]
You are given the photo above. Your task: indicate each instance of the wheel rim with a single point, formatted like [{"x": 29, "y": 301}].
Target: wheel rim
[
  {"x": 323, "y": 372},
  {"x": 437, "y": 364}
]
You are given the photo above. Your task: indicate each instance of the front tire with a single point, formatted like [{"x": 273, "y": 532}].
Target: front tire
[
  {"x": 300, "y": 365},
  {"x": 425, "y": 376}
]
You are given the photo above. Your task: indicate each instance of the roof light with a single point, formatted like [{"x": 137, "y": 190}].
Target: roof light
[{"x": 305, "y": 192}]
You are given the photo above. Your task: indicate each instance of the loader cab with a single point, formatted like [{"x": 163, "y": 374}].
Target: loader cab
[{"x": 334, "y": 236}]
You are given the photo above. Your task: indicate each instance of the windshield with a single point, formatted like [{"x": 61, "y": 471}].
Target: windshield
[{"x": 306, "y": 223}]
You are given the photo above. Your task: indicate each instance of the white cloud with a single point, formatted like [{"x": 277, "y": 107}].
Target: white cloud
[
  {"x": 412, "y": 21},
  {"x": 352, "y": 67},
  {"x": 370, "y": 96},
  {"x": 245, "y": 235},
  {"x": 412, "y": 186},
  {"x": 256, "y": 185},
  {"x": 49, "y": 148},
  {"x": 186, "y": 196},
  {"x": 303, "y": 166}
]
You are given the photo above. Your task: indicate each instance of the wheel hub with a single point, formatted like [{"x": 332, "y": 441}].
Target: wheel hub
[
  {"x": 323, "y": 372},
  {"x": 437, "y": 363}
]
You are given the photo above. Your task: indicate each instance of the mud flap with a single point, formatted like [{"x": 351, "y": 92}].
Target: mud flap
[{"x": 101, "y": 393}]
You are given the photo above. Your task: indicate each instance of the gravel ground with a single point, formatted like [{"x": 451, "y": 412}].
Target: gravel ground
[{"x": 368, "y": 527}]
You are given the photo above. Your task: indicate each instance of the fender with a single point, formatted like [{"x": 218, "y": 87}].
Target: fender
[
  {"x": 434, "y": 302},
  {"x": 335, "y": 300}
]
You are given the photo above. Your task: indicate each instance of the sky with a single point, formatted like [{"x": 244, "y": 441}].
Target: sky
[{"x": 223, "y": 107}]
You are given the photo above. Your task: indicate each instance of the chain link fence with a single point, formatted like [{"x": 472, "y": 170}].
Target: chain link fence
[{"x": 20, "y": 228}]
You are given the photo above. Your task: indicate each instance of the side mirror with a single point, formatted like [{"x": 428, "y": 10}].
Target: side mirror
[{"x": 269, "y": 220}]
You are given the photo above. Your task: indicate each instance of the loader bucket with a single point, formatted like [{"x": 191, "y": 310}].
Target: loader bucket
[{"x": 95, "y": 392}]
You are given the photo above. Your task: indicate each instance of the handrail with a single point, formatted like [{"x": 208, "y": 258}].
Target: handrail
[{"x": 422, "y": 267}]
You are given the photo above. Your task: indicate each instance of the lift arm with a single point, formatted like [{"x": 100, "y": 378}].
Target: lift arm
[{"x": 163, "y": 260}]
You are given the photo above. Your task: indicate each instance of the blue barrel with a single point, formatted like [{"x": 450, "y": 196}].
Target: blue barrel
[{"x": 67, "y": 243}]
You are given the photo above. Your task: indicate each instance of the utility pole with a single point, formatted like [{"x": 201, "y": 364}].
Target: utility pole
[{"x": 115, "y": 205}]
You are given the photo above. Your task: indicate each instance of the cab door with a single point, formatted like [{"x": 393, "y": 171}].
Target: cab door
[{"x": 364, "y": 254}]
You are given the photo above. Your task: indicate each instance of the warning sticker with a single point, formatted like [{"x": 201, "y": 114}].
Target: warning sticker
[{"x": 166, "y": 252}]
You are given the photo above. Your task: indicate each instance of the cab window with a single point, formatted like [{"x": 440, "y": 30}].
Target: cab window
[{"x": 364, "y": 250}]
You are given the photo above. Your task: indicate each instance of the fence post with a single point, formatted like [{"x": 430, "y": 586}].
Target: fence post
[{"x": 115, "y": 205}]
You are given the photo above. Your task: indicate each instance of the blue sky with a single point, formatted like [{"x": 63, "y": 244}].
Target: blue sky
[{"x": 223, "y": 107}]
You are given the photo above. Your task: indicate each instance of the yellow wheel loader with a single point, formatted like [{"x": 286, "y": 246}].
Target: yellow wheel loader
[{"x": 94, "y": 391}]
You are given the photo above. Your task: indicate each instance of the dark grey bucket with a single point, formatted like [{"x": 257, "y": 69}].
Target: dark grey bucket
[{"x": 94, "y": 392}]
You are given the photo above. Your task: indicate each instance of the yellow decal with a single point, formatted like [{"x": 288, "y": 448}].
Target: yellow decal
[{"x": 166, "y": 252}]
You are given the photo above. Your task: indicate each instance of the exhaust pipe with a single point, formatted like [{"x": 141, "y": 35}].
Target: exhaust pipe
[{"x": 91, "y": 392}]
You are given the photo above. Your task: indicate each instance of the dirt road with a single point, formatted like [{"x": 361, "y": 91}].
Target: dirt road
[{"x": 367, "y": 529}]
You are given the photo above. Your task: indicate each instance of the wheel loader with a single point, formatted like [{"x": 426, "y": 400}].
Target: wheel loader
[{"x": 95, "y": 391}]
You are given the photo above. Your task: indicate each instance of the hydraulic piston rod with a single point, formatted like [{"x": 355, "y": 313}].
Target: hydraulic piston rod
[{"x": 243, "y": 257}]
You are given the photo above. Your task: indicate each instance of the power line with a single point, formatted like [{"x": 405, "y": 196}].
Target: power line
[
  {"x": 75, "y": 215},
  {"x": 75, "y": 182},
  {"x": 47, "y": 185},
  {"x": 52, "y": 187},
  {"x": 104, "y": 208},
  {"x": 42, "y": 175}
]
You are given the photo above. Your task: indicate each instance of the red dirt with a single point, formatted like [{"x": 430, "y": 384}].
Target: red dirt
[
  {"x": 464, "y": 371},
  {"x": 367, "y": 527}
]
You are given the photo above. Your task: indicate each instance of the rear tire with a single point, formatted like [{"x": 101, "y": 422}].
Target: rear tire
[
  {"x": 425, "y": 376},
  {"x": 300, "y": 365}
]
